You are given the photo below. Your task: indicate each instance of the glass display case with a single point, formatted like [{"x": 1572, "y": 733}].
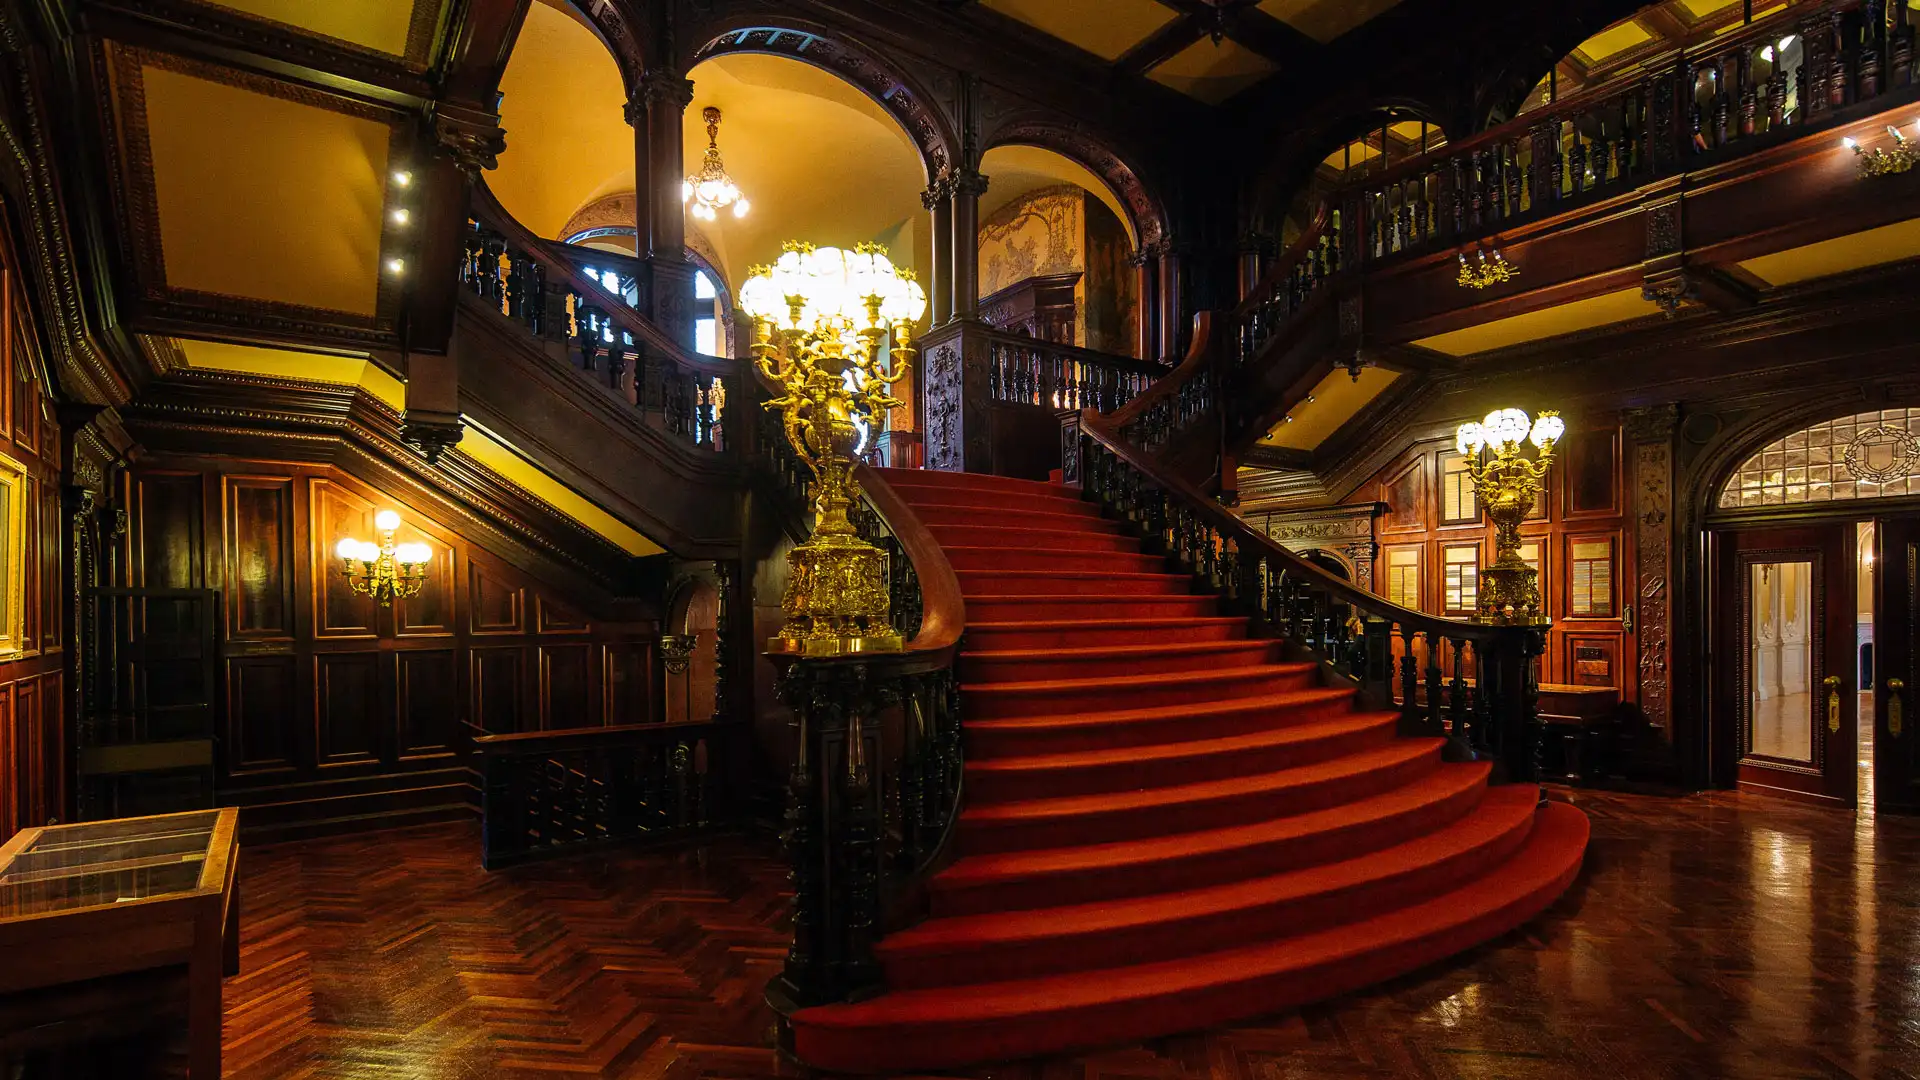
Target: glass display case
[{"x": 109, "y": 898}]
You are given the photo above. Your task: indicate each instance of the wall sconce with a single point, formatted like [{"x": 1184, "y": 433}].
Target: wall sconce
[
  {"x": 384, "y": 570},
  {"x": 1882, "y": 161},
  {"x": 1483, "y": 271}
]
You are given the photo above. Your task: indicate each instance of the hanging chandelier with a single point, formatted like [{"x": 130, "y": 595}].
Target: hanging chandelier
[{"x": 711, "y": 190}]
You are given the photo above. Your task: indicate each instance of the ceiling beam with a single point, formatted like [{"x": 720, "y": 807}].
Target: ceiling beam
[
  {"x": 1253, "y": 28},
  {"x": 1161, "y": 45}
]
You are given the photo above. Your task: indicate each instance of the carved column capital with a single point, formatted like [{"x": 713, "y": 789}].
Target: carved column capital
[
  {"x": 967, "y": 182},
  {"x": 1654, "y": 423},
  {"x": 471, "y": 137}
]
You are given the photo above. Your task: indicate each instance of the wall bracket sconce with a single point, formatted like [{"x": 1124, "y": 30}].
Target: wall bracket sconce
[
  {"x": 1487, "y": 268},
  {"x": 1885, "y": 161},
  {"x": 384, "y": 570}
]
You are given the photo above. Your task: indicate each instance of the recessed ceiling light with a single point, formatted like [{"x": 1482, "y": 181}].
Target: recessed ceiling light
[
  {"x": 396, "y": 266},
  {"x": 401, "y": 216},
  {"x": 402, "y": 179}
]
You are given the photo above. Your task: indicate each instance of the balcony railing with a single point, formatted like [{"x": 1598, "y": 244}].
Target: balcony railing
[
  {"x": 1793, "y": 69},
  {"x": 1028, "y": 371}
]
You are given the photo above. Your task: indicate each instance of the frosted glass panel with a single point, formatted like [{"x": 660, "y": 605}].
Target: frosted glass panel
[
  {"x": 1780, "y": 698},
  {"x": 1869, "y": 455}
]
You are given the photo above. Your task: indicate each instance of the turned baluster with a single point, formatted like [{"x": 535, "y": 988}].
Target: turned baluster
[
  {"x": 1459, "y": 707},
  {"x": 1409, "y": 676},
  {"x": 1839, "y": 78},
  {"x": 586, "y": 320},
  {"x": 1436, "y": 717},
  {"x": 1577, "y": 160}
]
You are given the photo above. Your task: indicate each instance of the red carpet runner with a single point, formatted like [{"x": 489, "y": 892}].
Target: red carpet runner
[{"x": 1166, "y": 826}]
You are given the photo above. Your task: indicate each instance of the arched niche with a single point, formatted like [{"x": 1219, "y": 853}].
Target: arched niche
[
  {"x": 1114, "y": 180},
  {"x": 690, "y": 651}
]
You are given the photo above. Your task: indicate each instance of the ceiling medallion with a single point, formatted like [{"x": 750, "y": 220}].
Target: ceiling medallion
[
  {"x": 1880, "y": 455},
  {"x": 711, "y": 190}
]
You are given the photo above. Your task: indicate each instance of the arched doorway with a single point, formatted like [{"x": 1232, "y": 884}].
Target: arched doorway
[
  {"x": 689, "y": 652},
  {"x": 1813, "y": 569}
]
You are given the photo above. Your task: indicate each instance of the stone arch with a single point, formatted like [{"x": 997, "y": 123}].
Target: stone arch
[
  {"x": 908, "y": 102},
  {"x": 1147, "y": 217}
]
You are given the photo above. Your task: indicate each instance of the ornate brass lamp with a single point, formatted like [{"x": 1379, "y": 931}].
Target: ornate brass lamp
[
  {"x": 1506, "y": 483},
  {"x": 819, "y": 317},
  {"x": 1484, "y": 272},
  {"x": 384, "y": 570},
  {"x": 1885, "y": 160}
]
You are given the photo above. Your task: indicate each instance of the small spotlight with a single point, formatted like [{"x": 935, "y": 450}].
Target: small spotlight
[
  {"x": 1309, "y": 399},
  {"x": 402, "y": 179},
  {"x": 1848, "y": 143},
  {"x": 401, "y": 216},
  {"x": 1287, "y": 420},
  {"x": 396, "y": 266}
]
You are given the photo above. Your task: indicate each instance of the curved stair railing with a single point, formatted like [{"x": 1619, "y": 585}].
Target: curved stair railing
[
  {"x": 1294, "y": 279},
  {"x": 1473, "y": 684},
  {"x": 875, "y": 783}
]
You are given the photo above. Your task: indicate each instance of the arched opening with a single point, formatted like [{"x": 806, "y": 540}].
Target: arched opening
[
  {"x": 1057, "y": 252},
  {"x": 1814, "y": 541},
  {"x": 1331, "y": 562},
  {"x": 689, "y": 652}
]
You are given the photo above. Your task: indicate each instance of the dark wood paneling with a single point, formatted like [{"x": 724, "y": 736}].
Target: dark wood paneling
[
  {"x": 496, "y": 683},
  {"x": 629, "y": 682},
  {"x": 565, "y": 690},
  {"x": 430, "y": 613},
  {"x": 338, "y": 513},
  {"x": 498, "y": 607},
  {"x": 259, "y": 557},
  {"x": 427, "y": 700},
  {"x": 262, "y": 696},
  {"x": 347, "y": 689},
  {"x": 556, "y": 618},
  {"x": 167, "y": 535}
]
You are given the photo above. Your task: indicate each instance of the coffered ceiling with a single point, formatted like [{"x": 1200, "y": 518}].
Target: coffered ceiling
[{"x": 1209, "y": 50}]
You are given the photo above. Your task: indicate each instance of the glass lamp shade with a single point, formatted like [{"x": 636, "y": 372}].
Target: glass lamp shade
[
  {"x": 412, "y": 554},
  {"x": 1470, "y": 439},
  {"x": 1505, "y": 427},
  {"x": 760, "y": 297},
  {"x": 386, "y": 521},
  {"x": 1547, "y": 431},
  {"x": 905, "y": 301},
  {"x": 367, "y": 551},
  {"x": 740, "y": 208},
  {"x": 348, "y": 549}
]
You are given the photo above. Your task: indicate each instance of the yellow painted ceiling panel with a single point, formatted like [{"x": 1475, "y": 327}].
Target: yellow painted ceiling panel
[
  {"x": 381, "y": 25},
  {"x": 1700, "y": 9},
  {"x": 1106, "y": 28},
  {"x": 1548, "y": 322},
  {"x": 1615, "y": 39},
  {"x": 1213, "y": 73},
  {"x": 1335, "y": 400},
  {"x": 476, "y": 444},
  {"x": 1324, "y": 20},
  {"x": 266, "y": 198},
  {"x": 1886, "y": 244}
]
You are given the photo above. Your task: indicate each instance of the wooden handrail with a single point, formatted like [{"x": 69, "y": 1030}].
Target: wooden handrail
[
  {"x": 1105, "y": 431},
  {"x": 550, "y": 254},
  {"x": 1075, "y": 352},
  {"x": 943, "y": 612},
  {"x": 1170, "y": 383},
  {"x": 1282, "y": 266}
]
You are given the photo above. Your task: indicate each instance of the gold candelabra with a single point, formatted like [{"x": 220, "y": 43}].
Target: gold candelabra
[
  {"x": 1482, "y": 272},
  {"x": 820, "y": 316},
  {"x": 1506, "y": 483},
  {"x": 385, "y": 569},
  {"x": 1884, "y": 161}
]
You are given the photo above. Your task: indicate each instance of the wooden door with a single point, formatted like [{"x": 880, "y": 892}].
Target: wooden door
[
  {"x": 1785, "y": 659},
  {"x": 1896, "y": 635}
]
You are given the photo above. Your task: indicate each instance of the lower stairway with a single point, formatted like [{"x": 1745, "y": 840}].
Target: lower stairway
[{"x": 1167, "y": 825}]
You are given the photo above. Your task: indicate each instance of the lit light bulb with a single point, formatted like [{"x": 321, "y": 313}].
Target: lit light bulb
[
  {"x": 386, "y": 521},
  {"x": 366, "y": 551},
  {"x": 1470, "y": 438},
  {"x": 348, "y": 549},
  {"x": 412, "y": 554},
  {"x": 1849, "y": 143},
  {"x": 401, "y": 216},
  {"x": 403, "y": 179},
  {"x": 396, "y": 266},
  {"x": 686, "y": 191},
  {"x": 740, "y": 208},
  {"x": 1547, "y": 431}
]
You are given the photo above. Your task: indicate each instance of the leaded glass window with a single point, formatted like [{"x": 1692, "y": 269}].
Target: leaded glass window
[{"x": 1870, "y": 455}]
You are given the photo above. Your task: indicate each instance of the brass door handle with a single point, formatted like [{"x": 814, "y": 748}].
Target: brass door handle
[
  {"x": 1832, "y": 683},
  {"x": 1896, "y": 708}
]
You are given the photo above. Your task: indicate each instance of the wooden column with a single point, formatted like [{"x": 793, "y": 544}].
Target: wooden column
[
  {"x": 967, "y": 186},
  {"x": 1146, "y": 327},
  {"x": 938, "y": 199},
  {"x": 636, "y": 117},
  {"x": 954, "y": 405},
  {"x": 1649, "y": 452},
  {"x": 1172, "y": 298}
]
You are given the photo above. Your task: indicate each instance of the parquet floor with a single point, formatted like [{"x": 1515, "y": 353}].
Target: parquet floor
[{"x": 1720, "y": 935}]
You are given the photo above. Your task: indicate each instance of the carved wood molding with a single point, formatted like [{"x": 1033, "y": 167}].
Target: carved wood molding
[
  {"x": 909, "y": 103},
  {"x": 1072, "y": 140},
  {"x": 1649, "y": 432},
  {"x": 198, "y": 412},
  {"x": 211, "y": 26}
]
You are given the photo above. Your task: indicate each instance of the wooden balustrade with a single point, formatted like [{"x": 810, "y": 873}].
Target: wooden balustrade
[
  {"x": 590, "y": 323},
  {"x": 1474, "y": 685},
  {"x": 1029, "y": 371},
  {"x": 1294, "y": 278},
  {"x": 1178, "y": 403},
  {"x": 547, "y": 793},
  {"x": 875, "y": 784}
]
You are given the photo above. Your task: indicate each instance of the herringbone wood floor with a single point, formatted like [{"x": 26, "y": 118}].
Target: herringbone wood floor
[{"x": 1711, "y": 936}]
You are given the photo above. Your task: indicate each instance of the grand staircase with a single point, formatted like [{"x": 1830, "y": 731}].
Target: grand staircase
[{"x": 1167, "y": 825}]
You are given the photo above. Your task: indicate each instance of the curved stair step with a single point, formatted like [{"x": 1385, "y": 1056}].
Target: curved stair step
[
  {"x": 1045, "y": 941},
  {"x": 1211, "y": 804},
  {"x": 1030, "y": 665},
  {"x": 1016, "y": 880},
  {"x": 939, "y": 478},
  {"x": 1048, "y": 733},
  {"x": 995, "y": 558},
  {"x": 940, "y": 514},
  {"x": 919, "y": 494},
  {"x": 1023, "y": 537},
  {"x": 1009, "y": 582},
  {"x": 988, "y": 701},
  {"x": 1004, "y": 608},
  {"x": 1088, "y": 633},
  {"x": 951, "y": 1026},
  {"x": 1092, "y": 772}
]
